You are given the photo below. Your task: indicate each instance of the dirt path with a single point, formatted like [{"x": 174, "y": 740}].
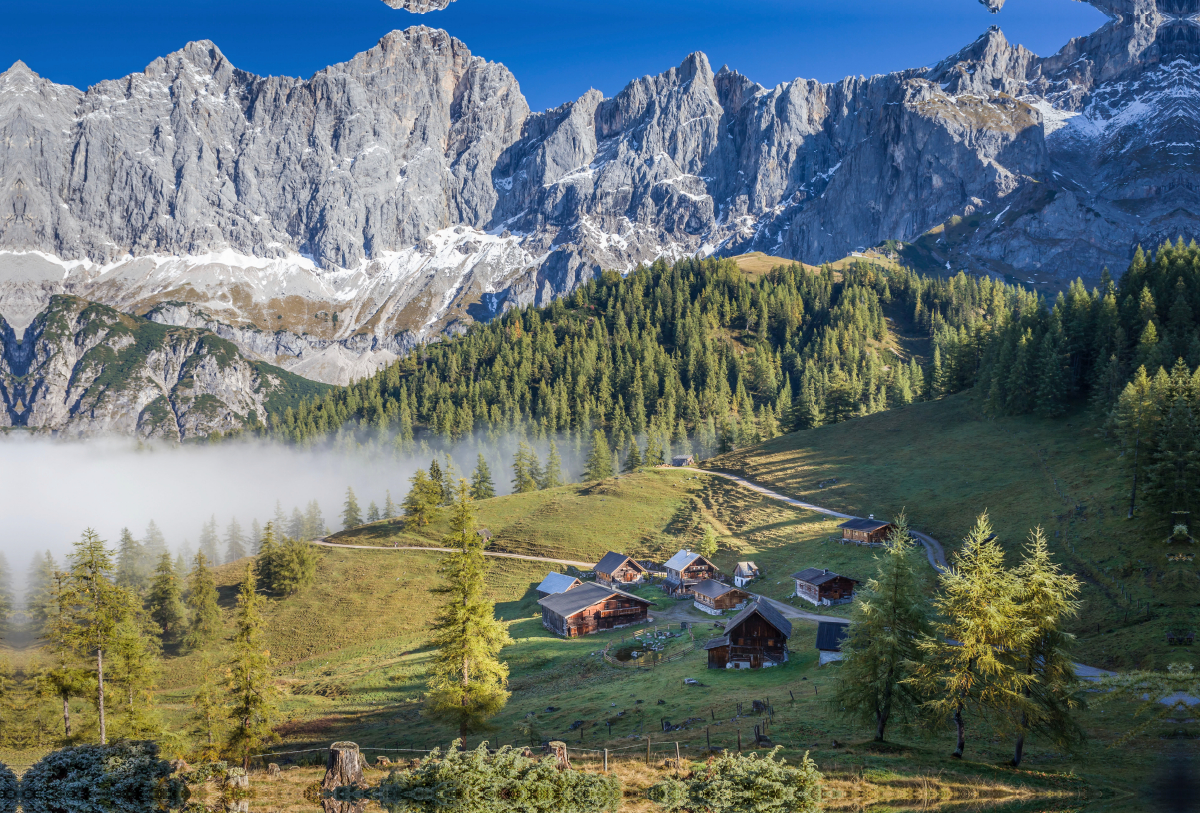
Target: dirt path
[{"x": 580, "y": 565}]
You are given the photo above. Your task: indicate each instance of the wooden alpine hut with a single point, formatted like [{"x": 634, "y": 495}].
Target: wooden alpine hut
[
  {"x": 755, "y": 638},
  {"x": 592, "y": 608},
  {"x": 556, "y": 583},
  {"x": 824, "y": 587},
  {"x": 617, "y": 568},
  {"x": 865, "y": 531},
  {"x": 713, "y": 597},
  {"x": 685, "y": 570}
]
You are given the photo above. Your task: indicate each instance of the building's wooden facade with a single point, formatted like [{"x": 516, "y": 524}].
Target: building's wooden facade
[
  {"x": 865, "y": 531},
  {"x": 757, "y": 637},
  {"x": 744, "y": 573},
  {"x": 713, "y": 597},
  {"x": 824, "y": 586},
  {"x": 617, "y": 569},
  {"x": 591, "y": 608},
  {"x": 685, "y": 570}
]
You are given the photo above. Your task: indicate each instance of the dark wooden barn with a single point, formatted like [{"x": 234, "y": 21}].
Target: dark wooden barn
[
  {"x": 713, "y": 597},
  {"x": 592, "y": 608},
  {"x": 617, "y": 569},
  {"x": 865, "y": 531},
  {"x": 824, "y": 586},
  {"x": 685, "y": 570},
  {"x": 755, "y": 638}
]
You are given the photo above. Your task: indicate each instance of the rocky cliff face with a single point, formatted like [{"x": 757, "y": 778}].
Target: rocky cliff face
[
  {"x": 85, "y": 369},
  {"x": 329, "y": 223}
]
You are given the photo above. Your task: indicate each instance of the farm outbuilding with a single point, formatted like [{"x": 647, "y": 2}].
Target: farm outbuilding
[
  {"x": 556, "y": 583},
  {"x": 830, "y": 635},
  {"x": 617, "y": 568},
  {"x": 744, "y": 573},
  {"x": 824, "y": 587},
  {"x": 755, "y": 638},
  {"x": 713, "y": 597},
  {"x": 685, "y": 570},
  {"x": 683, "y": 460},
  {"x": 592, "y": 608},
  {"x": 865, "y": 531}
]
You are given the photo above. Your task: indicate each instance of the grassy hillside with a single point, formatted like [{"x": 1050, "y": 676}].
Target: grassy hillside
[{"x": 945, "y": 463}]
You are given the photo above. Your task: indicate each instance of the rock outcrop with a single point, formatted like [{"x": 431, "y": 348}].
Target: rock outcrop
[
  {"x": 84, "y": 369},
  {"x": 326, "y": 224},
  {"x": 422, "y": 6}
]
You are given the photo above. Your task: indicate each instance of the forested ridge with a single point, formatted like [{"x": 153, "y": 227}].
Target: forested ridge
[{"x": 697, "y": 354}]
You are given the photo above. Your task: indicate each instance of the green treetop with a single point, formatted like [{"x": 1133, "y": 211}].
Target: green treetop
[
  {"x": 482, "y": 487},
  {"x": 250, "y": 688},
  {"x": 599, "y": 462},
  {"x": 422, "y": 505},
  {"x": 166, "y": 600},
  {"x": 351, "y": 515},
  {"x": 202, "y": 602}
]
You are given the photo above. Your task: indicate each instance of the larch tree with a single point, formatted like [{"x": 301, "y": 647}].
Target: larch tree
[
  {"x": 373, "y": 514},
  {"x": 250, "y": 689},
  {"x": 1047, "y": 597},
  {"x": 527, "y": 470},
  {"x": 599, "y": 462},
  {"x": 969, "y": 660},
  {"x": 1134, "y": 419},
  {"x": 202, "y": 604},
  {"x": 256, "y": 532},
  {"x": 351, "y": 514},
  {"x": 633, "y": 460},
  {"x": 468, "y": 681},
  {"x": 131, "y": 562},
  {"x": 209, "y": 712},
  {"x": 482, "y": 487},
  {"x": 154, "y": 543},
  {"x": 210, "y": 540},
  {"x": 389, "y": 507},
  {"x": 422, "y": 505},
  {"x": 235, "y": 542},
  {"x": 166, "y": 600},
  {"x": 41, "y": 598},
  {"x": 552, "y": 475},
  {"x": 708, "y": 543},
  {"x": 97, "y": 607},
  {"x": 134, "y": 670},
  {"x": 66, "y": 676},
  {"x": 881, "y": 649}
]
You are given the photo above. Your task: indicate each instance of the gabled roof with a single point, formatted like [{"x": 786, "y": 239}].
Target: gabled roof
[
  {"x": 613, "y": 560},
  {"x": 830, "y": 635},
  {"x": 557, "y": 583},
  {"x": 684, "y": 558},
  {"x": 864, "y": 524},
  {"x": 680, "y": 459},
  {"x": 584, "y": 596},
  {"x": 768, "y": 614},
  {"x": 713, "y": 643},
  {"x": 815, "y": 575},
  {"x": 713, "y": 588},
  {"x": 745, "y": 569}
]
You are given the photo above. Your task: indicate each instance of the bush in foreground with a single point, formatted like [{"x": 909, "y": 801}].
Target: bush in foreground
[
  {"x": 735, "y": 783},
  {"x": 125, "y": 777}
]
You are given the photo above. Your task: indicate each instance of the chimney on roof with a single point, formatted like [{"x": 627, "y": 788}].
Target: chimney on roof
[
  {"x": 825, "y": 572},
  {"x": 870, "y": 516}
]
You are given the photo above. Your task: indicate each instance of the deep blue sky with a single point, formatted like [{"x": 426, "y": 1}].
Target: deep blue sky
[{"x": 556, "y": 48}]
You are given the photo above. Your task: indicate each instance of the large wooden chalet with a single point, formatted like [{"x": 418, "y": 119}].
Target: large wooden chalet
[
  {"x": 824, "y": 586},
  {"x": 865, "y": 531},
  {"x": 755, "y": 638},
  {"x": 617, "y": 568},
  {"x": 713, "y": 597},
  {"x": 685, "y": 570},
  {"x": 592, "y": 608}
]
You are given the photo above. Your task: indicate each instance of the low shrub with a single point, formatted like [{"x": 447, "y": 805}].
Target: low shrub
[
  {"x": 125, "y": 777},
  {"x": 735, "y": 783}
]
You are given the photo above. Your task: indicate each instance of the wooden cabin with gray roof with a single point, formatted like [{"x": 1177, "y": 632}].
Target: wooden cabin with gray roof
[
  {"x": 755, "y": 638},
  {"x": 713, "y": 597},
  {"x": 617, "y": 569},
  {"x": 824, "y": 587},
  {"x": 556, "y": 583},
  {"x": 869, "y": 531},
  {"x": 591, "y": 608},
  {"x": 685, "y": 570}
]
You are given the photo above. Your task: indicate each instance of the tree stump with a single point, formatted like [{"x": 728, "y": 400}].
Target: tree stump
[
  {"x": 179, "y": 766},
  {"x": 344, "y": 767},
  {"x": 559, "y": 749},
  {"x": 273, "y": 769},
  {"x": 382, "y": 762}
]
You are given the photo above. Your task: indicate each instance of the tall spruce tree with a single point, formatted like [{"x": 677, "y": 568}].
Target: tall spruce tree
[
  {"x": 256, "y": 534},
  {"x": 599, "y": 462},
  {"x": 67, "y": 675},
  {"x": 526, "y": 469},
  {"x": 134, "y": 665},
  {"x": 210, "y": 540},
  {"x": 314, "y": 523},
  {"x": 389, "y": 507},
  {"x": 373, "y": 514},
  {"x": 40, "y": 595},
  {"x": 97, "y": 608},
  {"x": 468, "y": 682},
  {"x": 482, "y": 487},
  {"x": 1047, "y": 598},
  {"x": 154, "y": 544},
  {"x": 131, "y": 563},
  {"x": 552, "y": 475},
  {"x": 1134, "y": 420},
  {"x": 209, "y": 712},
  {"x": 251, "y": 694},
  {"x": 166, "y": 600},
  {"x": 881, "y": 649},
  {"x": 968, "y": 661},
  {"x": 351, "y": 515},
  {"x": 202, "y": 604},
  {"x": 235, "y": 542},
  {"x": 633, "y": 460}
]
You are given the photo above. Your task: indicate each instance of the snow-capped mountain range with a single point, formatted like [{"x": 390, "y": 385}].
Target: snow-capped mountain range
[{"x": 326, "y": 224}]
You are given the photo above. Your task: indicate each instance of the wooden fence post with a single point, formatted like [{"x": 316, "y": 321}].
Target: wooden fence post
[
  {"x": 606, "y": 760},
  {"x": 647, "y": 750},
  {"x": 739, "y": 741},
  {"x": 677, "y": 758}
]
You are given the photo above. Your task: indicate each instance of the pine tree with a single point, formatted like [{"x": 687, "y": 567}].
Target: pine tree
[
  {"x": 1047, "y": 598},
  {"x": 65, "y": 678},
  {"x": 468, "y": 682},
  {"x": 599, "y": 462},
  {"x": 210, "y": 540},
  {"x": 296, "y": 526},
  {"x": 881, "y": 649},
  {"x": 97, "y": 609},
  {"x": 166, "y": 600},
  {"x": 208, "y": 712},
  {"x": 351, "y": 516},
  {"x": 291, "y": 566},
  {"x": 1133, "y": 420},
  {"x": 256, "y": 533},
  {"x": 154, "y": 545},
  {"x": 389, "y": 507},
  {"x": 482, "y": 487},
  {"x": 552, "y": 476},
  {"x": 131, "y": 562},
  {"x": 708, "y": 543},
  {"x": 202, "y": 603},
  {"x": 633, "y": 460},
  {"x": 41, "y": 597},
  {"x": 970, "y": 662},
  {"x": 373, "y": 514},
  {"x": 235, "y": 542},
  {"x": 438, "y": 478},
  {"x": 422, "y": 505},
  {"x": 134, "y": 665},
  {"x": 314, "y": 523},
  {"x": 251, "y": 692},
  {"x": 268, "y": 555},
  {"x": 526, "y": 469}
]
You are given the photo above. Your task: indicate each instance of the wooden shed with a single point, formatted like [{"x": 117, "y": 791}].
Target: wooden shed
[
  {"x": 556, "y": 583},
  {"x": 685, "y": 570},
  {"x": 617, "y": 568},
  {"x": 865, "y": 531},
  {"x": 592, "y": 608},
  {"x": 713, "y": 597},
  {"x": 744, "y": 573},
  {"x": 830, "y": 635},
  {"x": 682, "y": 460},
  {"x": 755, "y": 638},
  {"x": 824, "y": 586}
]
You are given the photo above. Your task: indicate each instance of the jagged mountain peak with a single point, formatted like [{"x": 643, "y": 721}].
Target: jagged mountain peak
[{"x": 419, "y": 6}]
